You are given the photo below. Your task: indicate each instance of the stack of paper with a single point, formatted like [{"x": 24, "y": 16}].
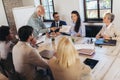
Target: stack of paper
[{"x": 65, "y": 29}]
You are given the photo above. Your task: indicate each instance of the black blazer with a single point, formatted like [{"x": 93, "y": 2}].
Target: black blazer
[{"x": 60, "y": 23}]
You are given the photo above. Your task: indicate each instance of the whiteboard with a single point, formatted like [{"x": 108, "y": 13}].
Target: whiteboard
[
  {"x": 3, "y": 18},
  {"x": 22, "y": 15}
]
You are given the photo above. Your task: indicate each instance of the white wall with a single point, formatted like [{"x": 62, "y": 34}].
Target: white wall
[
  {"x": 3, "y": 19},
  {"x": 65, "y": 7},
  {"x": 28, "y": 2},
  {"x": 116, "y": 11},
  {"x": 31, "y": 2},
  {"x": 81, "y": 9}
]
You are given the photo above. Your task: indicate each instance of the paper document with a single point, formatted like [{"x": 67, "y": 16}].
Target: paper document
[
  {"x": 65, "y": 29},
  {"x": 41, "y": 39}
]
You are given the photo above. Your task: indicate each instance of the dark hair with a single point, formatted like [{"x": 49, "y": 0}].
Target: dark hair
[
  {"x": 78, "y": 22},
  {"x": 55, "y": 13},
  {"x": 24, "y": 32},
  {"x": 4, "y": 32}
]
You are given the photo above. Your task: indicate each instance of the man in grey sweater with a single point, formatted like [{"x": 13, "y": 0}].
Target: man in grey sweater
[{"x": 36, "y": 22}]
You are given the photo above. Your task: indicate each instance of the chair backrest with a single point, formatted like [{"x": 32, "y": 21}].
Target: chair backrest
[
  {"x": 9, "y": 70},
  {"x": 2, "y": 70}
]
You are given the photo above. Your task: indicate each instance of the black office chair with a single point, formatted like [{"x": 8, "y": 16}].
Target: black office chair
[
  {"x": 2, "y": 70},
  {"x": 7, "y": 69},
  {"x": 10, "y": 73}
]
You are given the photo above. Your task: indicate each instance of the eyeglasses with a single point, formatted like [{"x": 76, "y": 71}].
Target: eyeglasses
[{"x": 56, "y": 17}]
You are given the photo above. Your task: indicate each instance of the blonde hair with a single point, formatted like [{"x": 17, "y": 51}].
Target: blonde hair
[
  {"x": 66, "y": 53},
  {"x": 110, "y": 16}
]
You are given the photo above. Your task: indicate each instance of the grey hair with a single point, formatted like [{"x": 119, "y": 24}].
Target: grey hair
[{"x": 111, "y": 16}]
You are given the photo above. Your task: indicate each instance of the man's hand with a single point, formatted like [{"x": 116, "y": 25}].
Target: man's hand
[
  {"x": 53, "y": 28},
  {"x": 78, "y": 35},
  {"x": 33, "y": 41}
]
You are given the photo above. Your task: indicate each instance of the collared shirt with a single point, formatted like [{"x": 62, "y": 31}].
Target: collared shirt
[
  {"x": 107, "y": 28},
  {"x": 110, "y": 31},
  {"x": 81, "y": 30},
  {"x": 57, "y": 23}
]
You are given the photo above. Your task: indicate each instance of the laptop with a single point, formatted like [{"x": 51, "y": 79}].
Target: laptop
[{"x": 102, "y": 41}]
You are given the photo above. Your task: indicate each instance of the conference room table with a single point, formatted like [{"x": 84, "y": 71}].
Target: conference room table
[{"x": 108, "y": 56}]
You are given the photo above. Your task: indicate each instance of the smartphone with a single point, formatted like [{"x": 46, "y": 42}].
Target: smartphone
[{"x": 91, "y": 62}]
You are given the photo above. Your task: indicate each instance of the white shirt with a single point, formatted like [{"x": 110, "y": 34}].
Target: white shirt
[
  {"x": 4, "y": 49},
  {"x": 81, "y": 30},
  {"x": 106, "y": 28},
  {"x": 110, "y": 31}
]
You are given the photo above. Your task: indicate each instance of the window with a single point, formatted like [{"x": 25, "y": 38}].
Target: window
[
  {"x": 49, "y": 9},
  {"x": 95, "y": 9}
]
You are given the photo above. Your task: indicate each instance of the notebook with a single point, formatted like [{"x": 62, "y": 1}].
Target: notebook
[
  {"x": 86, "y": 49},
  {"x": 102, "y": 41}
]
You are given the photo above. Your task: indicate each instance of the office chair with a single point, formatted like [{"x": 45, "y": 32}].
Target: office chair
[{"x": 7, "y": 69}]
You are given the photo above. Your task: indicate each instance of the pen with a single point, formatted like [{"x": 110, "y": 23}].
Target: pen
[{"x": 40, "y": 42}]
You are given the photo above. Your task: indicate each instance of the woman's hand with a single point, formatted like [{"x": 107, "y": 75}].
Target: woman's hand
[
  {"x": 97, "y": 37},
  {"x": 78, "y": 35},
  {"x": 106, "y": 37}
]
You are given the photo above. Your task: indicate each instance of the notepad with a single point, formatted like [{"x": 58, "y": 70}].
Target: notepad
[{"x": 87, "y": 49}]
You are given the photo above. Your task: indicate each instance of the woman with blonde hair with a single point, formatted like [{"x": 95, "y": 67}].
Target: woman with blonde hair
[{"x": 66, "y": 65}]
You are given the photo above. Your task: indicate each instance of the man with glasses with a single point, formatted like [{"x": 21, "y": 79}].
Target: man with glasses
[{"x": 57, "y": 22}]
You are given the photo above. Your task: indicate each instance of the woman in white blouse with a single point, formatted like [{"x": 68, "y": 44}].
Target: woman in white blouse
[
  {"x": 108, "y": 31},
  {"x": 77, "y": 29},
  {"x": 5, "y": 43}
]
